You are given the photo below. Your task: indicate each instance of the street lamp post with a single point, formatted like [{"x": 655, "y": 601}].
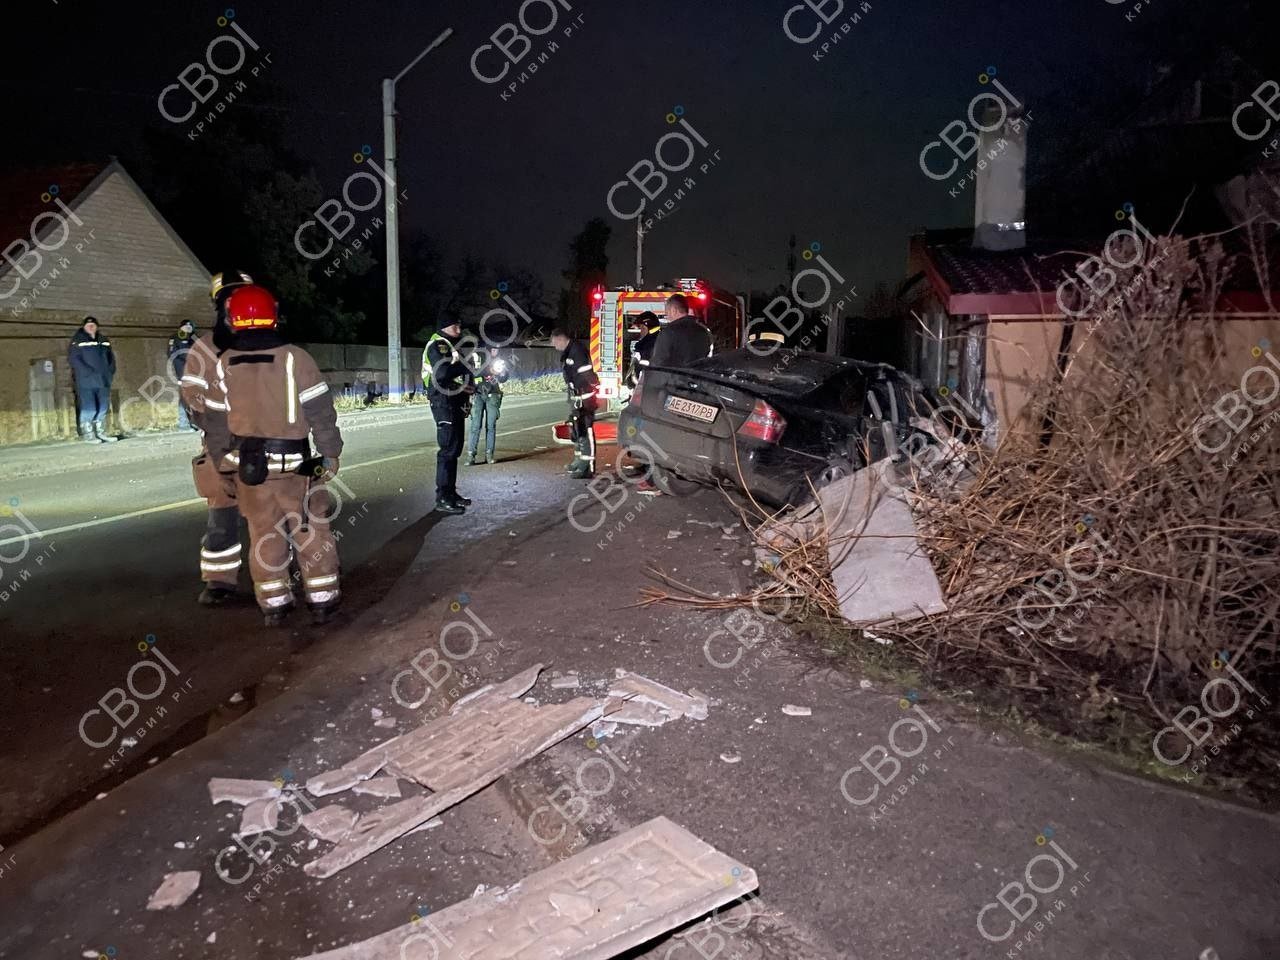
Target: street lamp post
[{"x": 395, "y": 384}]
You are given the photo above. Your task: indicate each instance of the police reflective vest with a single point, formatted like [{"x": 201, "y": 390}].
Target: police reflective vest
[{"x": 426, "y": 356}]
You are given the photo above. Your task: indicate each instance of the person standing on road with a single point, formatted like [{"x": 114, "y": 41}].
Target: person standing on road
[
  {"x": 267, "y": 399},
  {"x": 486, "y": 406},
  {"x": 180, "y": 345},
  {"x": 582, "y": 382},
  {"x": 447, "y": 380},
  {"x": 220, "y": 545},
  {"x": 683, "y": 339},
  {"x": 93, "y": 365}
]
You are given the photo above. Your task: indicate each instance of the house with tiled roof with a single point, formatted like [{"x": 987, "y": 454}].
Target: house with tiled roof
[
  {"x": 83, "y": 240},
  {"x": 989, "y": 318}
]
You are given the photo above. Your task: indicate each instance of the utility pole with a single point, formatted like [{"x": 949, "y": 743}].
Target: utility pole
[
  {"x": 395, "y": 382},
  {"x": 640, "y": 251}
]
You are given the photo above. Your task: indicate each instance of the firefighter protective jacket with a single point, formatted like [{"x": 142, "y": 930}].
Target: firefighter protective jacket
[
  {"x": 272, "y": 390},
  {"x": 444, "y": 373},
  {"x": 681, "y": 342},
  {"x": 200, "y": 367},
  {"x": 92, "y": 360},
  {"x": 578, "y": 372}
]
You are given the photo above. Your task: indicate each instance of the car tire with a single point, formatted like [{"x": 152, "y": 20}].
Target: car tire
[{"x": 672, "y": 484}]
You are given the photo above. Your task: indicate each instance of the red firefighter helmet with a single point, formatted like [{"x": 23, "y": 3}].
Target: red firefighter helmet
[{"x": 251, "y": 307}]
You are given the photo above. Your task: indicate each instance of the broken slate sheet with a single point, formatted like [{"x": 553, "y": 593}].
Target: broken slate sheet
[
  {"x": 879, "y": 570},
  {"x": 174, "y": 890},
  {"x": 597, "y": 904},
  {"x": 457, "y": 755}
]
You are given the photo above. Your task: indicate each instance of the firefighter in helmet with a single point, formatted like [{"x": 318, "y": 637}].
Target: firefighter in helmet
[
  {"x": 642, "y": 349},
  {"x": 220, "y": 545},
  {"x": 272, "y": 400},
  {"x": 582, "y": 382}
]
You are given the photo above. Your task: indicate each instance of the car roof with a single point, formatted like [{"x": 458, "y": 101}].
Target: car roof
[{"x": 793, "y": 372}]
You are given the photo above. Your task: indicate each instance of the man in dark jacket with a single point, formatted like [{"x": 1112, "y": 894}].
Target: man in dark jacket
[
  {"x": 93, "y": 366},
  {"x": 180, "y": 345},
  {"x": 581, "y": 379},
  {"x": 448, "y": 381},
  {"x": 682, "y": 339}
]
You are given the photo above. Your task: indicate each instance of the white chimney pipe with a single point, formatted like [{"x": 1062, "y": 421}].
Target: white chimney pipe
[{"x": 1000, "y": 199}]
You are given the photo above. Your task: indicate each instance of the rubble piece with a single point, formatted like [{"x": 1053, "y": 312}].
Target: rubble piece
[
  {"x": 455, "y": 756},
  {"x": 261, "y": 816},
  {"x": 242, "y": 792},
  {"x": 568, "y": 682},
  {"x": 379, "y": 787},
  {"x": 879, "y": 571},
  {"x": 330, "y": 823},
  {"x": 352, "y": 772},
  {"x": 385, "y": 722},
  {"x": 864, "y": 684},
  {"x": 642, "y": 715},
  {"x": 673, "y": 534},
  {"x": 433, "y": 822},
  {"x": 597, "y": 904},
  {"x": 602, "y": 729},
  {"x": 730, "y": 757},
  {"x": 512, "y": 688},
  {"x": 174, "y": 890},
  {"x": 635, "y": 687},
  {"x": 791, "y": 710}
]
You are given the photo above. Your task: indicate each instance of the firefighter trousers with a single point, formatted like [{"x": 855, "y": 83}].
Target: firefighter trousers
[
  {"x": 220, "y": 545},
  {"x": 288, "y": 517},
  {"x": 584, "y": 432}
]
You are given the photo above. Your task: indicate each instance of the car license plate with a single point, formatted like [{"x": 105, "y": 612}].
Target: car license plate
[{"x": 692, "y": 409}]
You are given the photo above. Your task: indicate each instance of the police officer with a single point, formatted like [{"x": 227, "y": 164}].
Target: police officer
[
  {"x": 683, "y": 338},
  {"x": 220, "y": 545},
  {"x": 448, "y": 381},
  {"x": 581, "y": 379},
  {"x": 486, "y": 404},
  {"x": 266, "y": 400},
  {"x": 642, "y": 350}
]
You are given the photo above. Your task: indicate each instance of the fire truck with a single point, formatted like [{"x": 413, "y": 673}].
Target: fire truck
[{"x": 614, "y": 328}]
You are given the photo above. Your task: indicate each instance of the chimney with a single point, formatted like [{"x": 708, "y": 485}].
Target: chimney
[{"x": 1000, "y": 199}]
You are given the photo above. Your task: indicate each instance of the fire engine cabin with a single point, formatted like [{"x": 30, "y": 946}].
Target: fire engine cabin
[{"x": 614, "y": 327}]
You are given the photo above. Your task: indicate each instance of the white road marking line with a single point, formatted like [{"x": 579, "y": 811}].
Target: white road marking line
[{"x": 178, "y": 505}]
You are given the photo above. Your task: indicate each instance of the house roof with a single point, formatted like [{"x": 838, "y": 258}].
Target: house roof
[
  {"x": 22, "y": 192},
  {"x": 1024, "y": 283}
]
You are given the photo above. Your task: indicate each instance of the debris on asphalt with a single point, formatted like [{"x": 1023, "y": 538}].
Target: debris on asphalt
[
  {"x": 236, "y": 697},
  {"x": 791, "y": 710},
  {"x": 642, "y": 715},
  {"x": 386, "y": 723},
  {"x": 241, "y": 792},
  {"x": 331, "y": 823},
  {"x": 212, "y": 938},
  {"x": 455, "y": 756},
  {"x": 374, "y": 713},
  {"x": 512, "y": 687},
  {"x": 261, "y": 816},
  {"x": 352, "y": 772},
  {"x": 632, "y": 686},
  {"x": 730, "y": 757},
  {"x": 568, "y": 682},
  {"x": 576, "y": 914},
  {"x": 885, "y": 641},
  {"x": 673, "y": 534},
  {"x": 379, "y": 787},
  {"x": 175, "y": 890},
  {"x": 603, "y": 729},
  {"x": 864, "y": 684},
  {"x": 878, "y": 568},
  {"x": 433, "y": 822}
]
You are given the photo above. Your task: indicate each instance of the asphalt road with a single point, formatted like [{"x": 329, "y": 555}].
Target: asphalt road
[{"x": 111, "y": 558}]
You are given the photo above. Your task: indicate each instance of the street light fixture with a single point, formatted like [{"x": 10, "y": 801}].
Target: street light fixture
[{"x": 395, "y": 385}]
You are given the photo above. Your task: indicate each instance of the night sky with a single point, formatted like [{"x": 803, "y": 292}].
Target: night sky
[{"x": 828, "y": 150}]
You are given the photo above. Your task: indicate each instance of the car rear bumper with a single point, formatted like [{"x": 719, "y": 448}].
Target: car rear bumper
[{"x": 772, "y": 474}]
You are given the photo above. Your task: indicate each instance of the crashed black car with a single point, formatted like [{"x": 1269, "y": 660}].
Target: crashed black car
[{"x": 771, "y": 425}]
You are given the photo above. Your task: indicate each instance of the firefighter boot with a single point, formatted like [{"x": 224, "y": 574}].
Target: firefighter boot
[
  {"x": 214, "y": 595},
  {"x": 276, "y": 616}
]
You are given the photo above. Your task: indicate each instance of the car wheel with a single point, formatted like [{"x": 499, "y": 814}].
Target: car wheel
[
  {"x": 836, "y": 469},
  {"x": 672, "y": 484}
]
